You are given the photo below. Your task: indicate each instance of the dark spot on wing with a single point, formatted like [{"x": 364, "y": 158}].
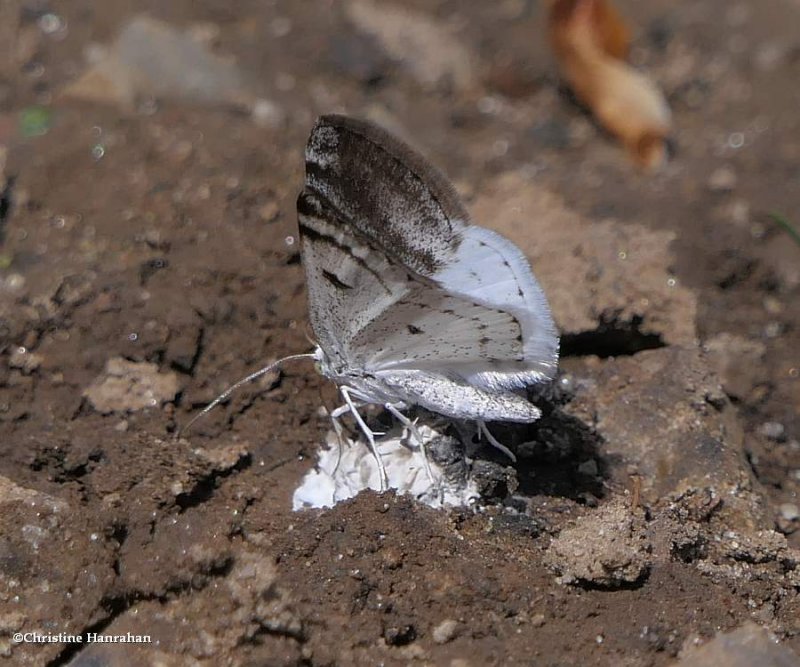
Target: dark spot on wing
[
  {"x": 309, "y": 208},
  {"x": 334, "y": 280},
  {"x": 506, "y": 264},
  {"x": 414, "y": 330},
  {"x": 519, "y": 291},
  {"x": 484, "y": 340}
]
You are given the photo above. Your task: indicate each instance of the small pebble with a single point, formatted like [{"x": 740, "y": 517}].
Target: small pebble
[
  {"x": 50, "y": 23},
  {"x": 267, "y": 114},
  {"x": 722, "y": 180},
  {"x": 789, "y": 511},
  {"x": 24, "y": 360},
  {"x": 773, "y": 430},
  {"x": 15, "y": 282},
  {"x": 446, "y": 631},
  {"x": 269, "y": 211}
]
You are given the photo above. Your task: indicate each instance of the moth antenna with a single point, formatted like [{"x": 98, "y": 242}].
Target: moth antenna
[{"x": 240, "y": 383}]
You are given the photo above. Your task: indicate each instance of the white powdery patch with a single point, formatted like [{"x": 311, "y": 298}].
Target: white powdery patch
[{"x": 339, "y": 476}]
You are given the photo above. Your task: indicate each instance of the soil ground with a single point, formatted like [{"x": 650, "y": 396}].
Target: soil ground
[{"x": 166, "y": 233}]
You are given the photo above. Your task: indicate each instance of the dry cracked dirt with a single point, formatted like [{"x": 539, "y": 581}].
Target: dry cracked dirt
[{"x": 150, "y": 156}]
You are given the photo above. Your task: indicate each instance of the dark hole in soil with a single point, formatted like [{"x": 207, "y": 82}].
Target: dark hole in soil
[
  {"x": 610, "y": 339},
  {"x": 6, "y": 197},
  {"x": 207, "y": 485}
]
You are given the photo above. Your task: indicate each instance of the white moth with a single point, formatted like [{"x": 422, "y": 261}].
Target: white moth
[{"x": 410, "y": 303}]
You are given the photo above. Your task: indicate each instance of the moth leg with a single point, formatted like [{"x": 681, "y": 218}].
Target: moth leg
[
  {"x": 494, "y": 442},
  {"x": 342, "y": 410},
  {"x": 346, "y": 391},
  {"x": 339, "y": 412},
  {"x": 412, "y": 428},
  {"x": 335, "y": 418},
  {"x": 339, "y": 430}
]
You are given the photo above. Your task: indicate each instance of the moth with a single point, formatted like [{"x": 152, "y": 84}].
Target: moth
[{"x": 410, "y": 303}]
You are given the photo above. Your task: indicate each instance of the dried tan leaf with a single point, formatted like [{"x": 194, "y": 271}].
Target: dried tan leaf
[{"x": 591, "y": 41}]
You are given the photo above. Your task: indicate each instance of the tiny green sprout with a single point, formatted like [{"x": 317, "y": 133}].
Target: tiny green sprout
[
  {"x": 35, "y": 121},
  {"x": 782, "y": 222}
]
